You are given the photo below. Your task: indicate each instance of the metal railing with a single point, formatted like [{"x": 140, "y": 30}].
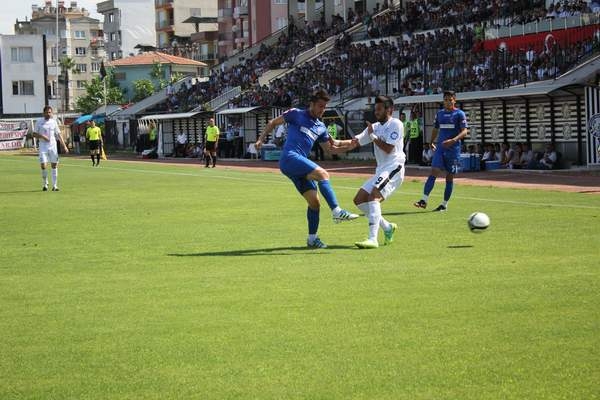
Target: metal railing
[
  {"x": 222, "y": 99},
  {"x": 542, "y": 26}
]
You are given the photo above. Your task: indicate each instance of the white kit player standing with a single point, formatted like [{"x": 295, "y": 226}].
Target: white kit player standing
[
  {"x": 47, "y": 131},
  {"x": 387, "y": 136}
]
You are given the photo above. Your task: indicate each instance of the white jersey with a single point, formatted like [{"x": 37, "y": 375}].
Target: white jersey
[
  {"x": 391, "y": 132},
  {"x": 48, "y": 128}
]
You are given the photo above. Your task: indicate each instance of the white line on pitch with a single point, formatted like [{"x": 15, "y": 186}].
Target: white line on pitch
[{"x": 284, "y": 182}]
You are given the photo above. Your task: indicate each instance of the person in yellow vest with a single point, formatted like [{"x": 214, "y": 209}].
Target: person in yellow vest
[
  {"x": 93, "y": 134},
  {"x": 152, "y": 135},
  {"x": 211, "y": 140},
  {"x": 415, "y": 140},
  {"x": 332, "y": 129}
]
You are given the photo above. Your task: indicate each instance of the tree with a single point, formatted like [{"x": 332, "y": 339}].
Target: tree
[
  {"x": 67, "y": 64},
  {"x": 142, "y": 88},
  {"x": 158, "y": 75},
  {"x": 94, "y": 96}
]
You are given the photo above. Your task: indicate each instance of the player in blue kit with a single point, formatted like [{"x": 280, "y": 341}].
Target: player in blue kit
[
  {"x": 450, "y": 128},
  {"x": 304, "y": 129}
]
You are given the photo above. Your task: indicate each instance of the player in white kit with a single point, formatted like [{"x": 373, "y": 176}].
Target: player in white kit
[
  {"x": 47, "y": 131},
  {"x": 387, "y": 136}
]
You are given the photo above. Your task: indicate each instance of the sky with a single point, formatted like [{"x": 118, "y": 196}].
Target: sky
[{"x": 19, "y": 9}]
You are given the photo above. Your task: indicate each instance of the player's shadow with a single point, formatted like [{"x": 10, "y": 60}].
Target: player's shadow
[
  {"x": 277, "y": 251},
  {"x": 404, "y": 212}
]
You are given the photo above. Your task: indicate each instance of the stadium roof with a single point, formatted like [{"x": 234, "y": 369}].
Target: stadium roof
[
  {"x": 577, "y": 77},
  {"x": 242, "y": 110},
  {"x": 151, "y": 57},
  {"x": 538, "y": 90},
  {"x": 200, "y": 20},
  {"x": 158, "y": 117}
]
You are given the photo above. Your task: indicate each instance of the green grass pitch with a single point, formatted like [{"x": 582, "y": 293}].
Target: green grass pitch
[{"x": 147, "y": 281}]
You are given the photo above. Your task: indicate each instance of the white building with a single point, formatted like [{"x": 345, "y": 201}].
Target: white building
[
  {"x": 127, "y": 23},
  {"x": 171, "y": 14},
  {"x": 22, "y": 75},
  {"x": 80, "y": 40}
]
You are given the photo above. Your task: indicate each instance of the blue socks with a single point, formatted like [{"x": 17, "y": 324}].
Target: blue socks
[
  {"x": 313, "y": 220},
  {"x": 328, "y": 193},
  {"x": 448, "y": 190},
  {"x": 429, "y": 185}
]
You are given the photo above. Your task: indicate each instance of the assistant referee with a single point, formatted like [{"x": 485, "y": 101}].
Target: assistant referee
[
  {"x": 211, "y": 138},
  {"x": 94, "y": 137}
]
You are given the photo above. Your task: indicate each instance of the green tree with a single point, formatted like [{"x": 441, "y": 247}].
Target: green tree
[
  {"x": 157, "y": 73},
  {"x": 67, "y": 65},
  {"x": 94, "y": 96},
  {"x": 176, "y": 76},
  {"x": 142, "y": 88}
]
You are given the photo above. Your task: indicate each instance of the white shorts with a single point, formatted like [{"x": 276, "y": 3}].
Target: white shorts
[
  {"x": 386, "y": 181},
  {"x": 49, "y": 156}
]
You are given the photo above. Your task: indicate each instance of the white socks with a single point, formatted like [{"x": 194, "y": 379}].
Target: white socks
[
  {"x": 55, "y": 177},
  {"x": 445, "y": 203},
  {"x": 336, "y": 211},
  {"x": 364, "y": 207},
  {"x": 374, "y": 219},
  {"x": 45, "y": 177},
  {"x": 311, "y": 238},
  {"x": 383, "y": 223},
  {"x": 425, "y": 198}
]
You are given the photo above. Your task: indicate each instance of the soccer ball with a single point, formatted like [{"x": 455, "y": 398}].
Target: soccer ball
[{"x": 478, "y": 222}]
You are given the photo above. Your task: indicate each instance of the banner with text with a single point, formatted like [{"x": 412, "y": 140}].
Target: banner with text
[{"x": 12, "y": 134}]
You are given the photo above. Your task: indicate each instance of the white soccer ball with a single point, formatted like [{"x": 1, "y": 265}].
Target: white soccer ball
[{"x": 478, "y": 222}]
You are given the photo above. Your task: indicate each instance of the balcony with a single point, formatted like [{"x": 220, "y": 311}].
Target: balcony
[
  {"x": 97, "y": 42},
  {"x": 240, "y": 11},
  {"x": 206, "y": 36}
]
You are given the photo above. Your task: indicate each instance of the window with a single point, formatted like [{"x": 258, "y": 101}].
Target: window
[
  {"x": 80, "y": 51},
  {"x": 81, "y": 84},
  {"x": 113, "y": 37},
  {"x": 111, "y": 17},
  {"x": 22, "y": 88},
  {"x": 113, "y": 55},
  {"x": 79, "y": 34},
  {"x": 95, "y": 67},
  {"x": 21, "y": 54},
  {"x": 82, "y": 67},
  {"x": 279, "y": 1}
]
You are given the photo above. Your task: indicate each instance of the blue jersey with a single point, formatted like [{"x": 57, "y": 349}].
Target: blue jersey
[
  {"x": 303, "y": 131},
  {"x": 449, "y": 125}
]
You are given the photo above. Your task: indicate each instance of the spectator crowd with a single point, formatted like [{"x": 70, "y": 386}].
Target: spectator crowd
[{"x": 450, "y": 54}]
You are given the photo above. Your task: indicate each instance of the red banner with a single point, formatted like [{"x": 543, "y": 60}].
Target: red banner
[{"x": 543, "y": 41}]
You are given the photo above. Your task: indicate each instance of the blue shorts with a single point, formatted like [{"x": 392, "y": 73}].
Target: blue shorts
[
  {"x": 296, "y": 167},
  {"x": 446, "y": 160}
]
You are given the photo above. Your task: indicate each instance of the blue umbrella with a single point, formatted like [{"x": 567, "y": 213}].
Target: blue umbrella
[{"x": 83, "y": 118}]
